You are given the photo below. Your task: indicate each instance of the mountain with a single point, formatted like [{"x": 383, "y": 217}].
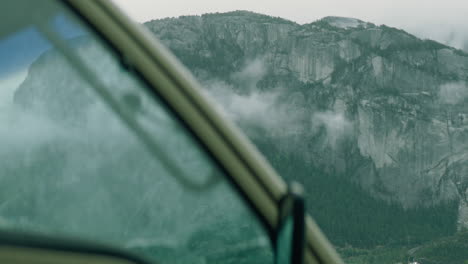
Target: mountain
[
  {"x": 372, "y": 120},
  {"x": 340, "y": 101}
]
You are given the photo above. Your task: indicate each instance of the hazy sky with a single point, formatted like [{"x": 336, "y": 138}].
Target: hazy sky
[{"x": 445, "y": 21}]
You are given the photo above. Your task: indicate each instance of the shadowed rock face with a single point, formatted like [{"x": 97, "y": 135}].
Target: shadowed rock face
[{"x": 371, "y": 103}]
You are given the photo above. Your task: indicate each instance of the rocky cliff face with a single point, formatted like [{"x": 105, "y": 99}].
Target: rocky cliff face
[{"x": 371, "y": 103}]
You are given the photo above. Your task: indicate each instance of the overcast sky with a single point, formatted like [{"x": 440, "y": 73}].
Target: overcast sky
[{"x": 445, "y": 21}]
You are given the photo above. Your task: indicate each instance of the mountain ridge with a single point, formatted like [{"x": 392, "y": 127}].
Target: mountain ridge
[
  {"x": 269, "y": 18},
  {"x": 388, "y": 84}
]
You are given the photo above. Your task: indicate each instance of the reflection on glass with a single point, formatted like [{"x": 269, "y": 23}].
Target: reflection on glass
[{"x": 73, "y": 167}]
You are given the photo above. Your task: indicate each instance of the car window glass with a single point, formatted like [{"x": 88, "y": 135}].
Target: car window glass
[{"x": 71, "y": 164}]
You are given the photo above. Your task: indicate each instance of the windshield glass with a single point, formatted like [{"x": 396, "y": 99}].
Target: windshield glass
[
  {"x": 371, "y": 119},
  {"x": 88, "y": 152}
]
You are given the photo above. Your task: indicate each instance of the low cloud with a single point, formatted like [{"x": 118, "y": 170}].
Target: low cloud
[
  {"x": 251, "y": 73},
  {"x": 275, "y": 111},
  {"x": 453, "y": 92},
  {"x": 256, "y": 110},
  {"x": 335, "y": 124}
]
